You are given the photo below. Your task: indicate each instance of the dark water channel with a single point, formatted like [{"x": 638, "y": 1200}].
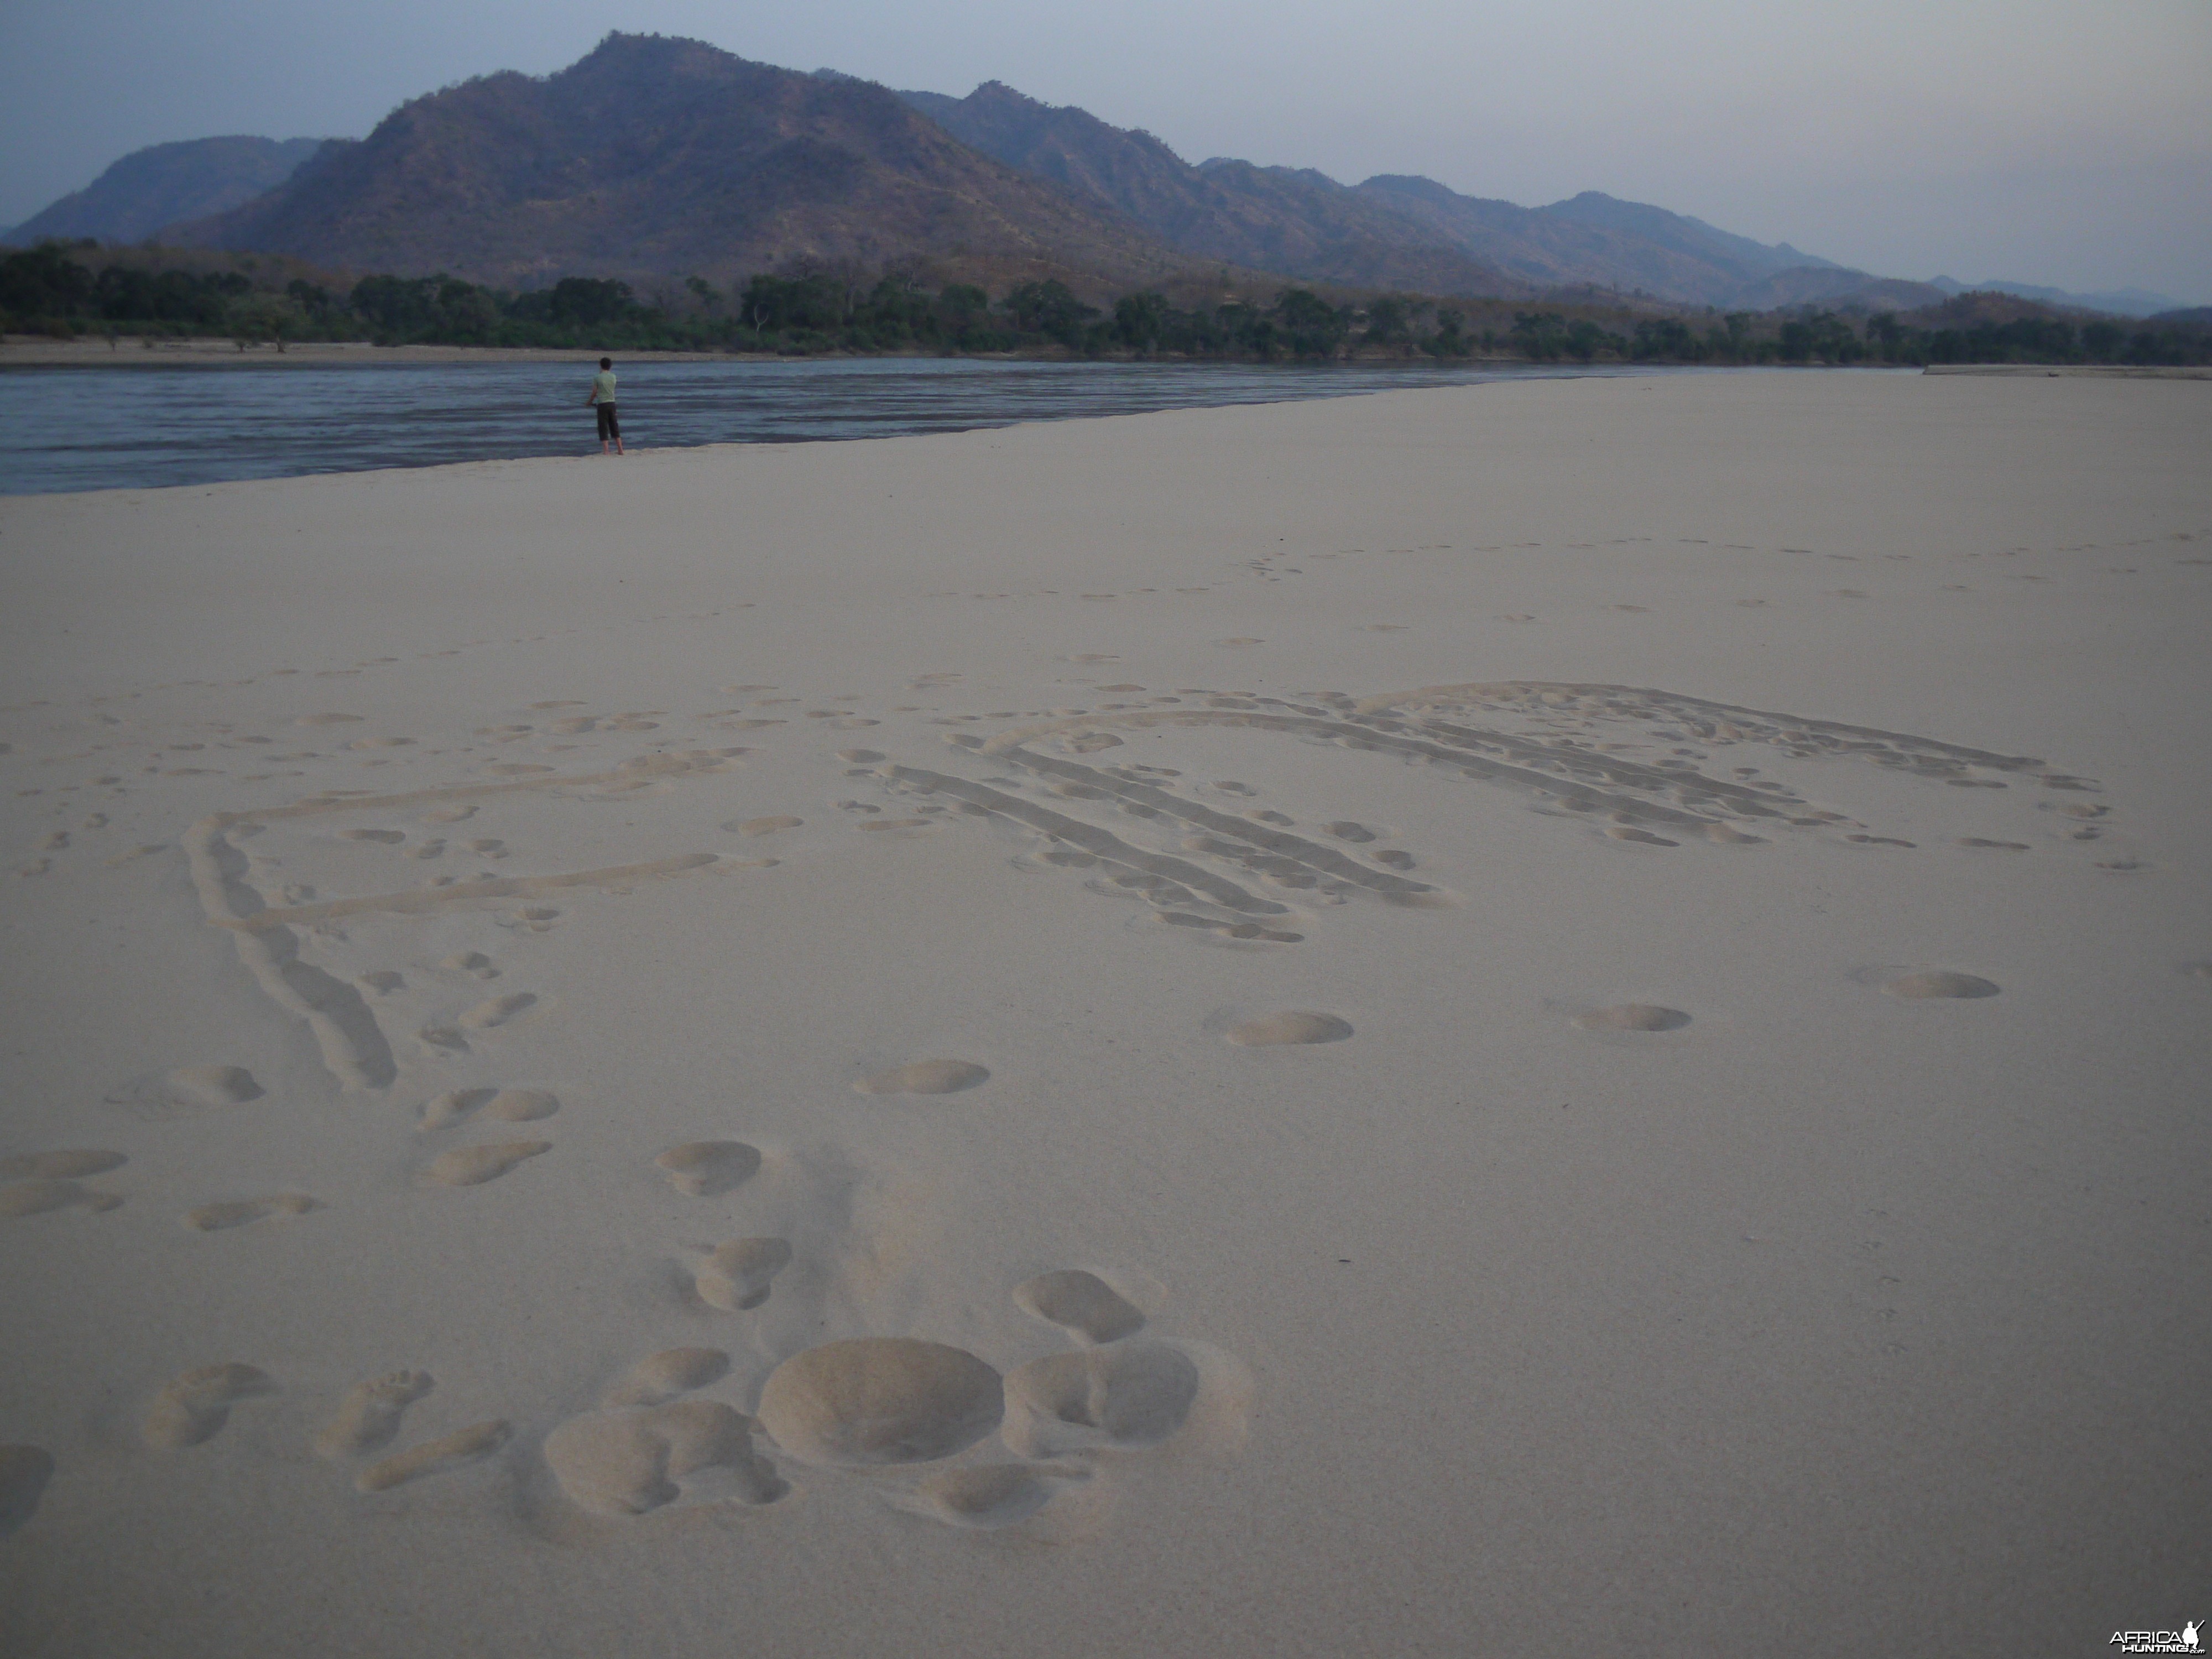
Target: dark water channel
[{"x": 69, "y": 428}]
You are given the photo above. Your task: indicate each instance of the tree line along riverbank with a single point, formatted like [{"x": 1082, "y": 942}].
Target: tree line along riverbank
[{"x": 65, "y": 290}]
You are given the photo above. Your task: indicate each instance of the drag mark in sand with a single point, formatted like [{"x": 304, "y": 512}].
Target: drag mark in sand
[
  {"x": 1163, "y": 877},
  {"x": 353, "y": 1045},
  {"x": 240, "y": 1212},
  {"x": 1560, "y": 746}
]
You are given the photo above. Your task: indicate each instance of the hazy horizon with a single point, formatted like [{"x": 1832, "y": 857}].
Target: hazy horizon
[{"x": 2047, "y": 141}]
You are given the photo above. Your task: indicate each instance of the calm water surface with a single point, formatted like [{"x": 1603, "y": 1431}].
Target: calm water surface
[{"x": 134, "y": 427}]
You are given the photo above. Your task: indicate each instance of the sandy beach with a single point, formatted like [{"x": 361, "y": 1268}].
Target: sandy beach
[{"x": 1551, "y": 1018}]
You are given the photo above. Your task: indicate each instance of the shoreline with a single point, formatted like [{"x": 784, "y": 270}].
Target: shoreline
[
  {"x": 28, "y": 351},
  {"x": 2076, "y": 371},
  {"x": 21, "y": 351}
]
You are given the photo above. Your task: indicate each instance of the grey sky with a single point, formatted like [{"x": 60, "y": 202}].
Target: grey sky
[{"x": 2055, "y": 141}]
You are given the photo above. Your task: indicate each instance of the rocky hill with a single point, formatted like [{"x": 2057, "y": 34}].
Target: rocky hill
[
  {"x": 1392, "y": 230},
  {"x": 165, "y": 183},
  {"x": 660, "y": 157},
  {"x": 1265, "y": 218}
]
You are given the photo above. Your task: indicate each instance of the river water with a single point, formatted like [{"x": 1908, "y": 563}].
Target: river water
[{"x": 103, "y": 428}]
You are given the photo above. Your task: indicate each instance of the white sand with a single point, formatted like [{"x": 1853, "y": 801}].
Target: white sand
[{"x": 1525, "y": 1318}]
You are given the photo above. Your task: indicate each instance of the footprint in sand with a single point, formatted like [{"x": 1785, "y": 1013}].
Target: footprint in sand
[
  {"x": 631, "y": 1462},
  {"x": 453, "y": 1451},
  {"x": 707, "y": 1169},
  {"x": 24, "y": 1472},
  {"x": 474, "y": 964},
  {"x": 218, "y": 1218},
  {"x": 660, "y": 1377},
  {"x": 1633, "y": 1017},
  {"x": 925, "y": 1077},
  {"x": 385, "y": 837},
  {"x": 212, "y": 1086},
  {"x": 763, "y": 826},
  {"x": 1346, "y": 829},
  {"x": 26, "y": 1198},
  {"x": 194, "y": 1406},
  {"x": 736, "y": 1277},
  {"x": 860, "y": 757},
  {"x": 381, "y": 981},
  {"x": 1079, "y": 1301},
  {"x": 368, "y": 1417},
  {"x": 1926, "y": 982},
  {"x": 1273, "y": 1030},
  {"x": 496, "y": 1011},
  {"x": 472, "y": 1166}
]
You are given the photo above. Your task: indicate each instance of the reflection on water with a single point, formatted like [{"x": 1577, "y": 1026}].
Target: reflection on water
[{"x": 117, "y": 427}]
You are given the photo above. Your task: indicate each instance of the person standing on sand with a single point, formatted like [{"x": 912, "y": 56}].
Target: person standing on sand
[{"x": 603, "y": 398}]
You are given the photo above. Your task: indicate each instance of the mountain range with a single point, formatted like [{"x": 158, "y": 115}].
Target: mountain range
[
  {"x": 660, "y": 158},
  {"x": 657, "y": 157},
  {"x": 1390, "y": 231},
  {"x": 164, "y": 184}
]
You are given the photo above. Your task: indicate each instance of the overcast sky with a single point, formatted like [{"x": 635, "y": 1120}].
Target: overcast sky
[{"x": 2066, "y": 142}]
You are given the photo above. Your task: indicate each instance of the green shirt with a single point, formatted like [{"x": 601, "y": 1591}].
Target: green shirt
[{"x": 602, "y": 386}]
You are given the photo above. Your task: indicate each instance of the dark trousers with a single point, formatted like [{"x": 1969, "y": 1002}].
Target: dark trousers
[{"x": 609, "y": 425}]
